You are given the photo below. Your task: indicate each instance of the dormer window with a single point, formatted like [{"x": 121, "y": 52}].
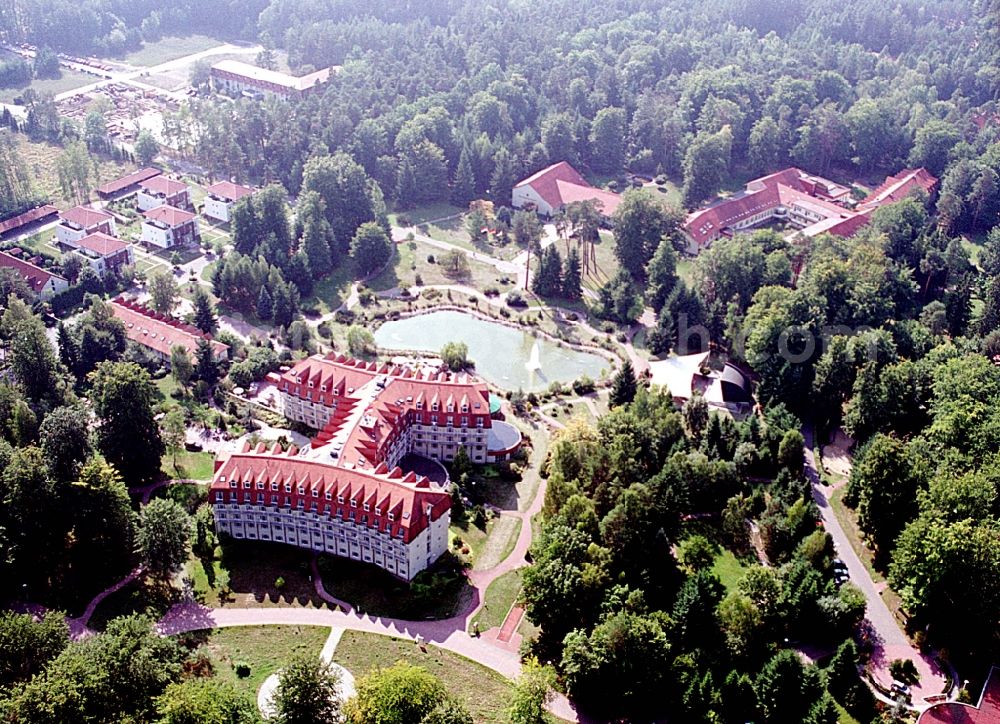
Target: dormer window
[
  {"x": 288, "y": 487},
  {"x": 232, "y": 484},
  {"x": 340, "y": 499},
  {"x": 260, "y": 486},
  {"x": 322, "y": 388},
  {"x": 378, "y": 512},
  {"x": 434, "y": 407},
  {"x": 311, "y": 384},
  {"x": 315, "y": 493},
  {"x": 465, "y": 408},
  {"x": 329, "y": 496},
  {"x": 354, "y": 504},
  {"x": 274, "y": 487},
  {"x": 366, "y": 508},
  {"x": 246, "y": 485},
  {"x": 420, "y": 405},
  {"x": 301, "y": 490},
  {"x": 392, "y": 516}
]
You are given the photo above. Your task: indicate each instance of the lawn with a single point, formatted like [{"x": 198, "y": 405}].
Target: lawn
[
  {"x": 69, "y": 80},
  {"x": 188, "y": 465},
  {"x": 423, "y": 214},
  {"x": 168, "y": 49},
  {"x": 728, "y": 569},
  {"x": 265, "y": 649},
  {"x": 500, "y": 596},
  {"x": 437, "y": 592},
  {"x": 41, "y": 243},
  {"x": 503, "y": 535},
  {"x": 606, "y": 262},
  {"x": 41, "y": 161},
  {"x": 483, "y": 691},
  {"x": 669, "y": 193}
]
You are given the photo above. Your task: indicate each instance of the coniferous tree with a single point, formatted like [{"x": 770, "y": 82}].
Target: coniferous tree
[
  {"x": 265, "y": 306},
  {"x": 463, "y": 188},
  {"x": 548, "y": 279},
  {"x": 204, "y": 311},
  {"x": 572, "y": 285},
  {"x": 624, "y": 385}
]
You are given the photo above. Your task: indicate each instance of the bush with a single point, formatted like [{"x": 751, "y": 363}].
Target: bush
[
  {"x": 583, "y": 386},
  {"x": 279, "y": 583},
  {"x": 660, "y": 180},
  {"x": 430, "y": 259},
  {"x": 242, "y": 669},
  {"x": 418, "y": 280},
  {"x": 324, "y": 331},
  {"x": 516, "y": 299}
]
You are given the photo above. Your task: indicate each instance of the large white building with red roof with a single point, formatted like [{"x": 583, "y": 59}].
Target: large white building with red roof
[
  {"x": 221, "y": 198},
  {"x": 560, "y": 184},
  {"x": 167, "y": 226},
  {"x": 162, "y": 190},
  {"x": 346, "y": 494},
  {"x": 810, "y": 204},
  {"x": 103, "y": 253},
  {"x": 76, "y": 223}
]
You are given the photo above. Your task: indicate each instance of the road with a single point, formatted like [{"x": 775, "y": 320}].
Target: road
[
  {"x": 132, "y": 76},
  {"x": 890, "y": 640}
]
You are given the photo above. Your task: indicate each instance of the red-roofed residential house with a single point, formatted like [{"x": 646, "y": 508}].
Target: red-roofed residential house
[
  {"x": 163, "y": 191},
  {"x": 346, "y": 494},
  {"x": 552, "y": 188},
  {"x": 103, "y": 253},
  {"x": 43, "y": 283},
  {"x": 221, "y": 197},
  {"x": 167, "y": 226},
  {"x": 160, "y": 333},
  {"x": 898, "y": 187},
  {"x": 79, "y": 221}
]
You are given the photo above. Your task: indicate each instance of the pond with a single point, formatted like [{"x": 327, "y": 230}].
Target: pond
[{"x": 506, "y": 356}]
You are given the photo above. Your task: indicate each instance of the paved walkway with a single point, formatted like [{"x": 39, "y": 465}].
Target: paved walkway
[
  {"x": 889, "y": 640},
  {"x": 345, "y": 689}
]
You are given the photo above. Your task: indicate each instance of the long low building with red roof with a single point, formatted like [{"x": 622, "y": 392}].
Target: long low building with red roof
[
  {"x": 353, "y": 497},
  {"x": 160, "y": 333},
  {"x": 560, "y": 184},
  {"x": 811, "y": 204}
]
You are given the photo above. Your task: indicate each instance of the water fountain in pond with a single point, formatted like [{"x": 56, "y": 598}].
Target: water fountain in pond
[{"x": 534, "y": 364}]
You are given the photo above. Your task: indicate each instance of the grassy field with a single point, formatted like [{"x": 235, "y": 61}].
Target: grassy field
[
  {"x": 374, "y": 591},
  {"x": 69, "y": 80},
  {"x": 500, "y": 596},
  {"x": 483, "y": 691},
  {"x": 503, "y": 537},
  {"x": 41, "y": 243},
  {"x": 423, "y": 214},
  {"x": 265, "y": 649},
  {"x": 170, "y": 48},
  {"x": 41, "y": 158},
  {"x": 246, "y": 574},
  {"x": 849, "y": 521},
  {"x": 188, "y": 465},
  {"x": 728, "y": 568}
]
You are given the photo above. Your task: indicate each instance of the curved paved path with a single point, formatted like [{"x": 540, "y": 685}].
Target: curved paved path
[{"x": 889, "y": 639}]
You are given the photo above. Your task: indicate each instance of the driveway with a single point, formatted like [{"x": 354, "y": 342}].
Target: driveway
[{"x": 890, "y": 642}]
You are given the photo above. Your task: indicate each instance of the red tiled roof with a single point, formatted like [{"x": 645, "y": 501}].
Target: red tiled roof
[
  {"x": 85, "y": 217},
  {"x": 561, "y": 184},
  {"x": 229, "y": 191},
  {"x": 706, "y": 224},
  {"x": 27, "y": 217},
  {"x": 160, "y": 332},
  {"x": 164, "y": 185},
  {"x": 169, "y": 215},
  {"x": 987, "y": 712},
  {"x": 36, "y": 277},
  {"x": 120, "y": 184},
  {"x": 102, "y": 243},
  {"x": 406, "y": 496},
  {"x": 898, "y": 187}
]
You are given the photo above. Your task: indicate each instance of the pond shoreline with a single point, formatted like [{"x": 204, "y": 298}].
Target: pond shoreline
[{"x": 613, "y": 360}]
